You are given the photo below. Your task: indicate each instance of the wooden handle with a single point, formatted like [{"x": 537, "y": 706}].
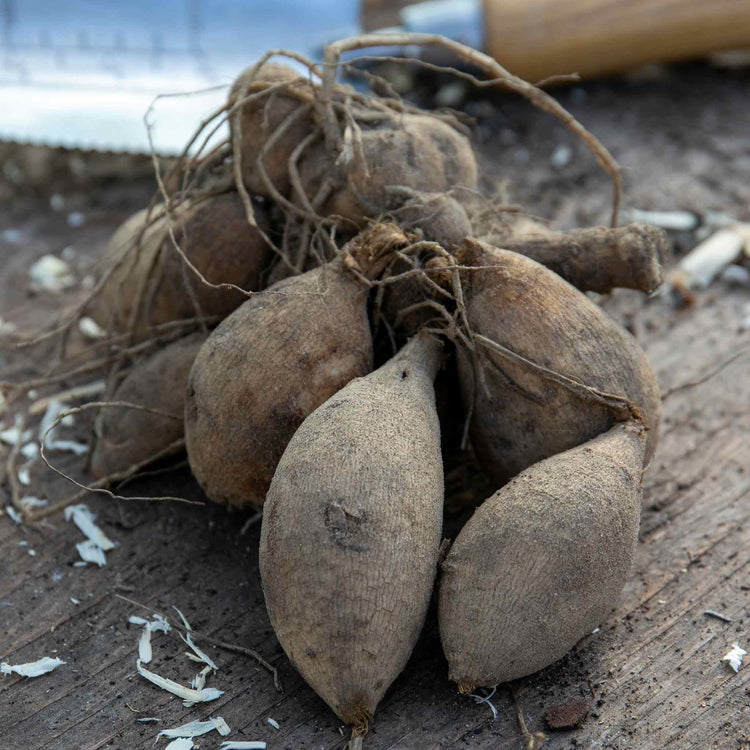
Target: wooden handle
[{"x": 535, "y": 39}]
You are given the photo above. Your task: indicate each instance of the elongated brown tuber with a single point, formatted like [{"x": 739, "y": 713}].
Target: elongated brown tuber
[
  {"x": 351, "y": 532},
  {"x": 274, "y": 361},
  {"x": 541, "y": 563}
]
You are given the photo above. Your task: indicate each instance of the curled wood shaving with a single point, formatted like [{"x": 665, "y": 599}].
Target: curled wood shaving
[
  {"x": 189, "y": 695},
  {"x": 734, "y": 657},
  {"x": 83, "y": 518},
  {"x": 198, "y": 728},
  {"x": 91, "y": 552},
  {"x": 33, "y": 668}
]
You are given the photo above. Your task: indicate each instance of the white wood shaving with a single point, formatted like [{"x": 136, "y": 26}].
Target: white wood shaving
[
  {"x": 198, "y": 728},
  {"x": 30, "y": 450},
  {"x": 23, "y": 543},
  {"x": 706, "y": 261},
  {"x": 486, "y": 699},
  {"x": 33, "y": 668},
  {"x": 235, "y": 745},
  {"x": 51, "y": 274},
  {"x": 29, "y": 501},
  {"x": 13, "y": 514},
  {"x": 144, "y": 646},
  {"x": 24, "y": 477},
  {"x": 734, "y": 657},
  {"x": 74, "y": 600},
  {"x": 159, "y": 622},
  {"x": 83, "y": 518},
  {"x": 202, "y": 656},
  {"x": 79, "y": 564},
  {"x": 221, "y": 726},
  {"x": 47, "y": 433},
  {"x": 80, "y": 449},
  {"x": 273, "y": 723},
  {"x": 32, "y": 552},
  {"x": 91, "y": 329},
  {"x": 91, "y": 553},
  {"x": 183, "y": 618},
  {"x": 147, "y": 719},
  {"x": 13, "y": 435},
  {"x": 189, "y": 695},
  {"x": 199, "y": 681},
  {"x": 183, "y": 743},
  {"x": 207, "y": 695},
  {"x": 679, "y": 220}
]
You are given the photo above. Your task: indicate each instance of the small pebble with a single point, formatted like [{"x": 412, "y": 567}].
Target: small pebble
[{"x": 561, "y": 157}]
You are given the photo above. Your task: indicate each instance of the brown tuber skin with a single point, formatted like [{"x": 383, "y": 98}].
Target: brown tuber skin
[
  {"x": 541, "y": 563},
  {"x": 214, "y": 235},
  {"x": 417, "y": 152},
  {"x": 596, "y": 259},
  {"x": 126, "y": 437},
  {"x": 274, "y": 361},
  {"x": 521, "y": 415},
  {"x": 351, "y": 532},
  {"x": 439, "y": 217},
  {"x": 262, "y": 116}
]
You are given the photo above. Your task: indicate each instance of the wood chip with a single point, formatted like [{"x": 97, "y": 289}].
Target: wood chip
[{"x": 568, "y": 715}]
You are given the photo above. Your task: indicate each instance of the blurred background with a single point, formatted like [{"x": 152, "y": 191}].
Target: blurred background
[
  {"x": 664, "y": 84},
  {"x": 83, "y": 73}
]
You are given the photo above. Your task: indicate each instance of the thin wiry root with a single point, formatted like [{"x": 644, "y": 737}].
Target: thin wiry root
[
  {"x": 100, "y": 485},
  {"x": 623, "y": 408},
  {"x": 533, "y": 741}
]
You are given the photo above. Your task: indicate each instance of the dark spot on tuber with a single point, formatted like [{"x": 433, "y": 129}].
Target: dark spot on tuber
[{"x": 345, "y": 528}]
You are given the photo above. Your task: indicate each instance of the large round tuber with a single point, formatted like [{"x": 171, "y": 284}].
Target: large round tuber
[
  {"x": 525, "y": 403},
  {"x": 417, "y": 152},
  {"x": 149, "y": 284}
]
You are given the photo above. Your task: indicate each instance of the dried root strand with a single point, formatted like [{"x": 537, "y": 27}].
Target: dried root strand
[{"x": 104, "y": 482}]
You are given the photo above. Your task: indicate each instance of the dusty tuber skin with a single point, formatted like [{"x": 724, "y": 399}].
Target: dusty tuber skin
[
  {"x": 417, "y": 152},
  {"x": 596, "y": 259},
  {"x": 438, "y": 216},
  {"x": 274, "y": 361},
  {"x": 262, "y": 116},
  {"x": 541, "y": 562},
  {"x": 351, "y": 532},
  {"x": 521, "y": 415},
  {"x": 126, "y": 437},
  {"x": 214, "y": 235}
]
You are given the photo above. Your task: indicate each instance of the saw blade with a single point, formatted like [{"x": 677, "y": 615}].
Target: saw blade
[{"x": 84, "y": 73}]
